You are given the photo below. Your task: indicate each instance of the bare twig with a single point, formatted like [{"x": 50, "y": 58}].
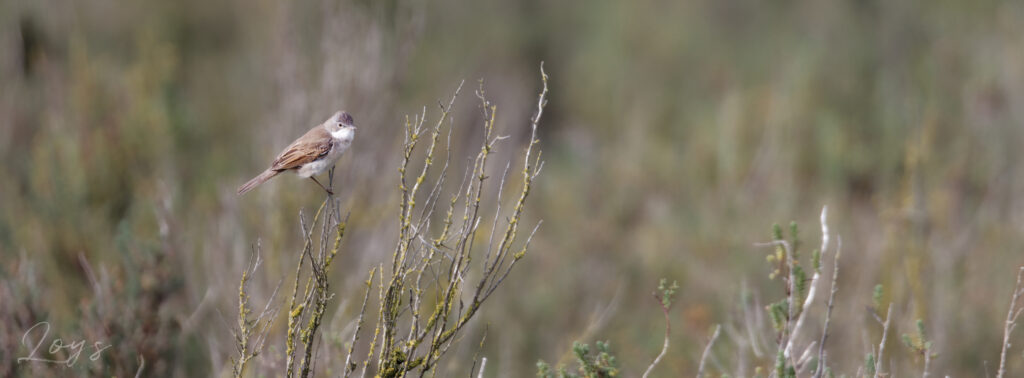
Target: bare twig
[
  {"x": 142, "y": 365},
  {"x": 664, "y": 347},
  {"x": 477, "y": 354},
  {"x": 881, "y": 344},
  {"x": 349, "y": 367},
  {"x": 801, "y": 363},
  {"x": 927, "y": 361},
  {"x": 251, "y": 334},
  {"x": 483, "y": 366},
  {"x": 1011, "y": 323},
  {"x": 828, "y": 312},
  {"x": 306, "y": 310},
  {"x": 707, "y": 350},
  {"x": 813, "y": 288}
]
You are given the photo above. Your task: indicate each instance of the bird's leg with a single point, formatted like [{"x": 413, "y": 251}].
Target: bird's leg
[
  {"x": 330, "y": 178},
  {"x": 329, "y": 192}
]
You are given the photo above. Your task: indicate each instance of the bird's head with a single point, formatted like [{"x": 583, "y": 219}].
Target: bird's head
[{"x": 340, "y": 120}]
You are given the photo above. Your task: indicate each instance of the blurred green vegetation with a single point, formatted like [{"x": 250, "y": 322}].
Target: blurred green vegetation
[{"x": 677, "y": 133}]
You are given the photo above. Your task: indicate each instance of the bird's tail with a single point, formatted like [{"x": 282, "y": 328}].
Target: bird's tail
[{"x": 262, "y": 178}]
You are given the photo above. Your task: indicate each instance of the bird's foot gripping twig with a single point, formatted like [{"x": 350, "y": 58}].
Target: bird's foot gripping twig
[{"x": 329, "y": 192}]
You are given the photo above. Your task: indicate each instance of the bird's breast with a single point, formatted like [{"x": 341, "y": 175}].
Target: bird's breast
[{"x": 340, "y": 143}]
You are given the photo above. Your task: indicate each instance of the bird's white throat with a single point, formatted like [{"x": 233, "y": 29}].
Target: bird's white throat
[
  {"x": 344, "y": 134},
  {"x": 342, "y": 140}
]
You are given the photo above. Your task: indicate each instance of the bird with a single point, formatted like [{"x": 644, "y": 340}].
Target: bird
[{"x": 312, "y": 153}]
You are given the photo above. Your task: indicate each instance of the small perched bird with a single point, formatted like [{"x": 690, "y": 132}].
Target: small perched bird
[{"x": 312, "y": 153}]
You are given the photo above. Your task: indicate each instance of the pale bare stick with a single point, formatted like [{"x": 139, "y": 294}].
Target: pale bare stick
[
  {"x": 927, "y": 361},
  {"x": 483, "y": 365},
  {"x": 828, "y": 312},
  {"x": 707, "y": 351},
  {"x": 881, "y": 344},
  {"x": 1011, "y": 323},
  {"x": 813, "y": 288}
]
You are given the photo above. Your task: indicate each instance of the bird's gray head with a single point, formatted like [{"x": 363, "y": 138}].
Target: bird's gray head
[{"x": 340, "y": 119}]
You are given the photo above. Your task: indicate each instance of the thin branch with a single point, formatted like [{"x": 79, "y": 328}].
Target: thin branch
[
  {"x": 1011, "y": 323},
  {"x": 251, "y": 333},
  {"x": 927, "y": 361},
  {"x": 828, "y": 312},
  {"x": 707, "y": 350},
  {"x": 483, "y": 366},
  {"x": 664, "y": 346},
  {"x": 483, "y": 361},
  {"x": 813, "y": 288},
  {"x": 142, "y": 365},
  {"x": 804, "y": 358},
  {"x": 348, "y": 369},
  {"x": 881, "y": 344}
]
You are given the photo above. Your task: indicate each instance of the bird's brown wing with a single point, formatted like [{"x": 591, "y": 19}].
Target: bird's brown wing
[{"x": 314, "y": 145}]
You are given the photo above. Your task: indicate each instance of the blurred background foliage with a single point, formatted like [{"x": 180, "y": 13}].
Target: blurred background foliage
[{"x": 677, "y": 133}]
